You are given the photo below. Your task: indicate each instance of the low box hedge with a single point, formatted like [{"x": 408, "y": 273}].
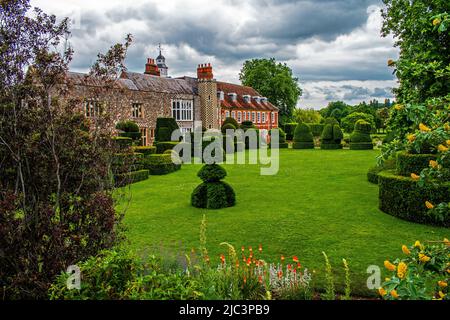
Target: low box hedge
[
  {"x": 402, "y": 197},
  {"x": 145, "y": 150},
  {"x": 124, "y": 179},
  {"x": 408, "y": 163},
  {"x": 330, "y": 146},
  {"x": 361, "y": 145},
  {"x": 159, "y": 164}
]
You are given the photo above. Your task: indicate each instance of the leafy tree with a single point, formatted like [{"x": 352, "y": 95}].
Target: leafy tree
[
  {"x": 337, "y": 110},
  {"x": 274, "y": 81},
  {"x": 56, "y": 191},
  {"x": 307, "y": 116},
  {"x": 348, "y": 123},
  {"x": 421, "y": 31}
]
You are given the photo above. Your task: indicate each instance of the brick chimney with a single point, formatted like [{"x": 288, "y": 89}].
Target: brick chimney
[
  {"x": 204, "y": 72},
  {"x": 151, "y": 68}
]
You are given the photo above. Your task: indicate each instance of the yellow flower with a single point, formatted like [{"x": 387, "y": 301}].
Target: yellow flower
[
  {"x": 387, "y": 279},
  {"x": 417, "y": 244},
  {"x": 405, "y": 250},
  {"x": 447, "y": 127},
  {"x": 398, "y": 107},
  {"x": 436, "y": 21},
  {"x": 382, "y": 292},
  {"x": 433, "y": 164},
  {"x": 411, "y": 137},
  {"x": 441, "y": 294},
  {"x": 424, "y": 128},
  {"x": 415, "y": 176},
  {"x": 442, "y": 148},
  {"x": 447, "y": 142},
  {"x": 447, "y": 242},
  {"x": 442, "y": 284},
  {"x": 424, "y": 257},
  {"x": 429, "y": 205},
  {"x": 401, "y": 270},
  {"x": 394, "y": 294},
  {"x": 389, "y": 266}
]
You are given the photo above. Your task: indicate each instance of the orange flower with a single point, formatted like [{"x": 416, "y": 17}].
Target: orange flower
[
  {"x": 406, "y": 250},
  {"x": 260, "y": 279},
  {"x": 424, "y": 128},
  {"x": 447, "y": 127},
  {"x": 434, "y": 164},
  {"x": 260, "y": 248},
  {"x": 447, "y": 242},
  {"x": 382, "y": 292},
  {"x": 398, "y": 107},
  {"x": 282, "y": 258},
  {"x": 442, "y": 148},
  {"x": 249, "y": 261},
  {"x": 401, "y": 270},
  {"x": 295, "y": 259},
  {"x": 389, "y": 266},
  {"x": 222, "y": 258},
  {"x": 424, "y": 258},
  {"x": 299, "y": 265},
  {"x": 442, "y": 284},
  {"x": 289, "y": 267},
  {"x": 394, "y": 294},
  {"x": 429, "y": 205},
  {"x": 436, "y": 21},
  {"x": 245, "y": 279},
  {"x": 280, "y": 274},
  {"x": 415, "y": 176}
]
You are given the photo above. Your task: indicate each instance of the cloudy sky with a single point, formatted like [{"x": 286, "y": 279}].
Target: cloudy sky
[{"x": 333, "y": 46}]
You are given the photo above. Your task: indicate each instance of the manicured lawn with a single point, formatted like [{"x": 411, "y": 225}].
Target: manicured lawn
[{"x": 319, "y": 201}]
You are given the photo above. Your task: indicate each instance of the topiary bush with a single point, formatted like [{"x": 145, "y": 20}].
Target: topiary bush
[
  {"x": 145, "y": 150},
  {"x": 360, "y": 138},
  {"x": 123, "y": 142},
  {"x": 372, "y": 174},
  {"x": 230, "y": 121},
  {"x": 303, "y": 138},
  {"x": 166, "y": 145},
  {"x": 129, "y": 130},
  {"x": 169, "y": 125},
  {"x": 289, "y": 129},
  {"x": 213, "y": 193},
  {"x": 412, "y": 163},
  {"x": 331, "y": 138},
  {"x": 123, "y": 179},
  {"x": 402, "y": 197},
  {"x": 160, "y": 164},
  {"x": 245, "y": 125},
  {"x": 228, "y": 126},
  {"x": 316, "y": 128},
  {"x": 282, "y": 139}
]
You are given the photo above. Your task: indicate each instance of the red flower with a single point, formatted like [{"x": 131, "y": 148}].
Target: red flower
[
  {"x": 282, "y": 258},
  {"x": 295, "y": 259},
  {"x": 299, "y": 265},
  {"x": 289, "y": 267},
  {"x": 260, "y": 248},
  {"x": 222, "y": 258},
  {"x": 280, "y": 274},
  {"x": 260, "y": 279}
]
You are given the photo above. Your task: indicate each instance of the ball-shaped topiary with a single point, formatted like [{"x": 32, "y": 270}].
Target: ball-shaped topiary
[
  {"x": 227, "y": 126},
  {"x": 331, "y": 137},
  {"x": 303, "y": 138},
  {"x": 213, "y": 193},
  {"x": 232, "y": 121},
  {"x": 245, "y": 125},
  {"x": 360, "y": 138}
]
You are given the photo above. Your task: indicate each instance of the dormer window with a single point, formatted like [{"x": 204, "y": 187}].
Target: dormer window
[
  {"x": 220, "y": 95},
  {"x": 233, "y": 96},
  {"x": 246, "y": 98},
  {"x": 264, "y": 100},
  {"x": 257, "y": 99}
]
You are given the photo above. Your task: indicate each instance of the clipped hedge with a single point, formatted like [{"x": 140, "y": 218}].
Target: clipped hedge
[
  {"x": 372, "y": 174},
  {"x": 245, "y": 125},
  {"x": 123, "y": 142},
  {"x": 169, "y": 125},
  {"x": 303, "y": 138},
  {"x": 316, "y": 128},
  {"x": 331, "y": 138},
  {"x": 360, "y": 138},
  {"x": 402, "y": 197},
  {"x": 408, "y": 163},
  {"x": 159, "y": 164},
  {"x": 124, "y": 179},
  {"x": 165, "y": 145},
  {"x": 232, "y": 121},
  {"x": 145, "y": 150},
  {"x": 289, "y": 129},
  {"x": 227, "y": 126}
]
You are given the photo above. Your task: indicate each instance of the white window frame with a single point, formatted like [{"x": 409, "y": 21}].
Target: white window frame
[
  {"x": 136, "y": 110},
  {"x": 92, "y": 108},
  {"x": 182, "y": 110},
  {"x": 239, "y": 116},
  {"x": 258, "y": 114},
  {"x": 253, "y": 116},
  {"x": 144, "y": 137},
  {"x": 227, "y": 114},
  {"x": 263, "y": 117},
  {"x": 233, "y": 114}
]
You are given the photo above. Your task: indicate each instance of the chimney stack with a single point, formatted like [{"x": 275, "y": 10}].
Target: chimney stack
[
  {"x": 151, "y": 68},
  {"x": 205, "y": 72}
]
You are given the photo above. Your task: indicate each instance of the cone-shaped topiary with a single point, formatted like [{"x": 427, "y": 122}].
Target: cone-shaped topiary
[
  {"x": 303, "y": 138},
  {"x": 331, "y": 137},
  {"x": 360, "y": 138},
  {"x": 213, "y": 193}
]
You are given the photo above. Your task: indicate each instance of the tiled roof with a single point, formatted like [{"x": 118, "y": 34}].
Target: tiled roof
[
  {"x": 240, "y": 103},
  {"x": 145, "y": 82}
]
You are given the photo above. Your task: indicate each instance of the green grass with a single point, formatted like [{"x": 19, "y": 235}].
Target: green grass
[{"x": 319, "y": 201}]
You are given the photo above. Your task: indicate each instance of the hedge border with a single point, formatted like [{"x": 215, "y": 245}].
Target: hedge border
[{"x": 408, "y": 163}]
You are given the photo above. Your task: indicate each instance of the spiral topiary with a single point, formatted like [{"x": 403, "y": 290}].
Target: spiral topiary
[
  {"x": 360, "y": 138},
  {"x": 213, "y": 193},
  {"x": 303, "y": 138}
]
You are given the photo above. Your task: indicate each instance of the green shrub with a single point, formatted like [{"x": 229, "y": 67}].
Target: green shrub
[
  {"x": 331, "y": 120},
  {"x": 127, "y": 126},
  {"x": 316, "y": 128},
  {"x": 303, "y": 138},
  {"x": 360, "y": 138},
  {"x": 159, "y": 164},
  {"x": 284, "y": 145},
  {"x": 119, "y": 275},
  {"x": 332, "y": 136},
  {"x": 213, "y": 193},
  {"x": 170, "y": 126},
  {"x": 124, "y": 179},
  {"x": 349, "y": 122},
  {"x": 145, "y": 150},
  {"x": 245, "y": 125},
  {"x": 412, "y": 163},
  {"x": 289, "y": 129},
  {"x": 231, "y": 121},
  {"x": 227, "y": 126},
  {"x": 402, "y": 197},
  {"x": 123, "y": 142},
  {"x": 390, "y": 136},
  {"x": 166, "y": 145}
]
